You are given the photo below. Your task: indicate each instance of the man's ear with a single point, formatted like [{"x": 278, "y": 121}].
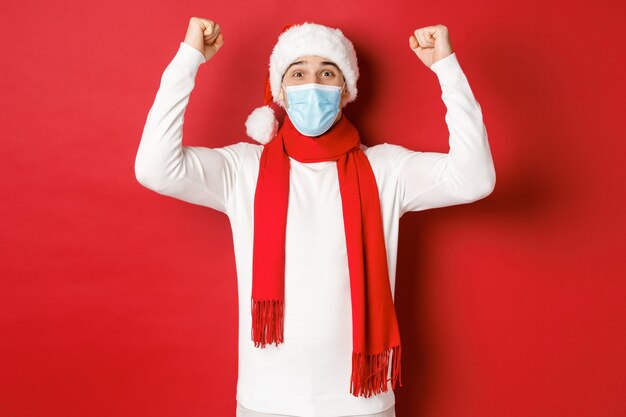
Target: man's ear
[
  {"x": 281, "y": 98},
  {"x": 344, "y": 97},
  {"x": 281, "y": 95}
]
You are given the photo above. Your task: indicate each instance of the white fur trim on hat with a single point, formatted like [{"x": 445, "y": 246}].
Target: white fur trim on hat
[{"x": 262, "y": 125}]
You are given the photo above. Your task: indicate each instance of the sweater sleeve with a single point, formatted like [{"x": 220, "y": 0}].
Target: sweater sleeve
[
  {"x": 198, "y": 175},
  {"x": 466, "y": 173}
]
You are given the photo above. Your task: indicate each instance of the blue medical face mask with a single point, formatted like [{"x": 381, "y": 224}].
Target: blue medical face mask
[{"x": 312, "y": 107}]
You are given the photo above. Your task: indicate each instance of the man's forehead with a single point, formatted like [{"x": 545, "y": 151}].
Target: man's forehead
[{"x": 312, "y": 59}]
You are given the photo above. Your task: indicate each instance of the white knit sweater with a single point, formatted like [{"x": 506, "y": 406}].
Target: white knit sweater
[{"x": 309, "y": 374}]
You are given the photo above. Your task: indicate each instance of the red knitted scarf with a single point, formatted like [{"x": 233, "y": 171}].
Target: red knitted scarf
[{"x": 375, "y": 331}]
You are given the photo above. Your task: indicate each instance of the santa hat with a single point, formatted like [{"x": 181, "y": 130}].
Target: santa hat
[{"x": 295, "y": 41}]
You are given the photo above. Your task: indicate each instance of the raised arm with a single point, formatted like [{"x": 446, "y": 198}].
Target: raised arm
[
  {"x": 463, "y": 175},
  {"x": 198, "y": 175}
]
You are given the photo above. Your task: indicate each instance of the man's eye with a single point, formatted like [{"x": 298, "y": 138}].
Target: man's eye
[
  {"x": 295, "y": 73},
  {"x": 329, "y": 72}
]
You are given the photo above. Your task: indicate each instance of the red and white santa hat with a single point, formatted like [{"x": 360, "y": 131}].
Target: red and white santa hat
[{"x": 295, "y": 41}]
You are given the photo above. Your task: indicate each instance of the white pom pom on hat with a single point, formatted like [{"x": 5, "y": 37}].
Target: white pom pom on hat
[
  {"x": 262, "y": 125},
  {"x": 295, "y": 41}
]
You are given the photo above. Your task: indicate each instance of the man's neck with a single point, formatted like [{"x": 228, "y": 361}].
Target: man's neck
[{"x": 337, "y": 118}]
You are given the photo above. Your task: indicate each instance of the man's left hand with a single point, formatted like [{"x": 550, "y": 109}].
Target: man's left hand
[{"x": 431, "y": 43}]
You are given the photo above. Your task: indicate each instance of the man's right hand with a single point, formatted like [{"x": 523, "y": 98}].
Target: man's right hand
[{"x": 204, "y": 35}]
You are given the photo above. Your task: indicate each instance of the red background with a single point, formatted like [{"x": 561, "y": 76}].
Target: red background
[{"x": 117, "y": 301}]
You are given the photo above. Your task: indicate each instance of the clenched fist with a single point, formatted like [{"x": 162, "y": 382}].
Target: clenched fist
[
  {"x": 204, "y": 35},
  {"x": 431, "y": 43}
]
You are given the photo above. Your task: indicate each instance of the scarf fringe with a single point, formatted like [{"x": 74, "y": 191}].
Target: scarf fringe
[
  {"x": 369, "y": 372},
  {"x": 267, "y": 322}
]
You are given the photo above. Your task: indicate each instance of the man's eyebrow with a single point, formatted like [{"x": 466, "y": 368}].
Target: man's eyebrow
[{"x": 323, "y": 63}]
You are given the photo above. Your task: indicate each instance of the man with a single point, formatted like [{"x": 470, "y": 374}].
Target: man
[{"x": 315, "y": 214}]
